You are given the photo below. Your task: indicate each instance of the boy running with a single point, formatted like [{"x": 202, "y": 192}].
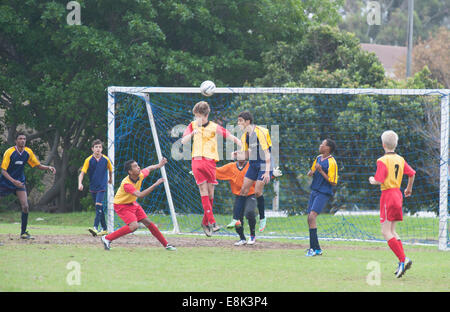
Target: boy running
[
  {"x": 204, "y": 158},
  {"x": 128, "y": 209},
  {"x": 97, "y": 167},
  {"x": 390, "y": 170},
  {"x": 257, "y": 144},
  {"x": 12, "y": 177},
  {"x": 324, "y": 171}
]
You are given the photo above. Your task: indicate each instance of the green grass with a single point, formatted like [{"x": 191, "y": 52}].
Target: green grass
[{"x": 343, "y": 267}]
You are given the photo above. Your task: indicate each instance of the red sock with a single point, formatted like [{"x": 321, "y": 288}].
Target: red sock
[
  {"x": 401, "y": 245},
  {"x": 156, "y": 233},
  {"x": 206, "y": 203},
  {"x": 397, "y": 249},
  {"x": 124, "y": 230},
  {"x": 212, "y": 202}
]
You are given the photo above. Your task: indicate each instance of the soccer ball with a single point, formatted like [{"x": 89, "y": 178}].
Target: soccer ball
[{"x": 207, "y": 88}]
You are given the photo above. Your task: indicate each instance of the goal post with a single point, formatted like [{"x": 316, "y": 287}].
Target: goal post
[{"x": 141, "y": 122}]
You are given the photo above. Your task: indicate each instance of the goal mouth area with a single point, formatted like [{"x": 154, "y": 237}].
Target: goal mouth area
[{"x": 161, "y": 104}]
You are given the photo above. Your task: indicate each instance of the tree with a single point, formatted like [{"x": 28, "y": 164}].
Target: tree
[
  {"x": 433, "y": 54},
  {"x": 62, "y": 71},
  {"x": 428, "y": 17}
]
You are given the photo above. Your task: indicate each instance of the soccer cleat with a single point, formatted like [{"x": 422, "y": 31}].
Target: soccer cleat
[
  {"x": 262, "y": 224},
  {"x": 400, "y": 270},
  {"x": 318, "y": 252},
  {"x": 26, "y": 235},
  {"x": 310, "y": 253},
  {"x": 103, "y": 232},
  {"x": 214, "y": 227},
  {"x": 234, "y": 223},
  {"x": 240, "y": 243},
  {"x": 251, "y": 240},
  {"x": 106, "y": 243},
  {"x": 93, "y": 231},
  {"x": 207, "y": 230},
  {"x": 170, "y": 248},
  {"x": 408, "y": 264}
]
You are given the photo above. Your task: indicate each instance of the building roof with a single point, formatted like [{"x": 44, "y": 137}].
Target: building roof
[{"x": 388, "y": 55}]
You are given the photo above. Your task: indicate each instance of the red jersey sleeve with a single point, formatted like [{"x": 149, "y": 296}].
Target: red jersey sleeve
[
  {"x": 222, "y": 131},
  {"x": 129, "y": 188},
  {"x": 408, "y": 170},
  {"x": 145, "y": 172},
  {"x": 188, "y": 130},
  {"x": 381, "y": 173}
]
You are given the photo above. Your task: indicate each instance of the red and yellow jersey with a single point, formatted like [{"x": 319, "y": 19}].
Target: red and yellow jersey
[
  {"x": 127, "y": 187},
  {"x": 205, "y": 140},
  {"x": 235, "y": 175},
  {"x": 390, "y": 170}
]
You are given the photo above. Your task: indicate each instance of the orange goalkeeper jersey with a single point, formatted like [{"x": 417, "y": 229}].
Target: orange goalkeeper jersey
[{"x": 235, "y": 175}]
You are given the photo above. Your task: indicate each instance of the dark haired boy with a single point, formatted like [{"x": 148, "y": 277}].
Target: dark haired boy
[
  {"x": 12, "y": 177},
  {"x": 127, "y": 208},
  {"x": 97, "y": 167},
  {"x": 324, "y": 171}
]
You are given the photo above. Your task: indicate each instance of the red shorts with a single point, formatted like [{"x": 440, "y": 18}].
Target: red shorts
[
  {"x": 391, "y": 203},
  {"x": 204, "y": 170},
  {"x": 130, "y": 212}
]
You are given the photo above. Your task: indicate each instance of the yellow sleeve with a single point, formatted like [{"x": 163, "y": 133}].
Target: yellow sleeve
[
  {"x": 332, "y": 171},
  {"x": 244, "y": 143},
  {"x": 109, "y": 165},
  {"x": 32, "y": 160},
  {"x": 313, "y": 167},
  {"x": 86, "y": 165},
  {"x": 264, "y": 138},
  {"x": 225, "y": 172},
  {"x": 7, "y": 158}
]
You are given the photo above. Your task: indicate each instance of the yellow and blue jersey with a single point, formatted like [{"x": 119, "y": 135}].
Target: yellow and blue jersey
[
  {"x": 329, "y": 166},
  {"x": 97, "y": 171},
  {"x": 256, "y": 143},
  {"x": 14, "y": 163}
]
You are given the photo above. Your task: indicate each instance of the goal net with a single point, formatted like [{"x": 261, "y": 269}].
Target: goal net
[{"x": 146, "y": 124}]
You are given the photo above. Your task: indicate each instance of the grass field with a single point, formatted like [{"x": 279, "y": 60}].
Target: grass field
[{"x": 200, "y": 264}]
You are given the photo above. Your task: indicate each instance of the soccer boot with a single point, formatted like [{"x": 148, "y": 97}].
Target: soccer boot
[
  {"x": 240, "y": 243},
  {"x": 408, "y": 264},
  {"x": 26, "y": 235},
  {"x": 400, "y": 270},
  {"x": 93, "y": 231},
  {"x": 207, "y": 230},
  {"x": 251, "y": 240},
  {"x": 106, "y": 243},
  {"x": 170, "y": 248},
  {"x": 234, "y": 223},
  {"x": 318, "y": 252},
  {"x": 262, "y": 224},
  {"x": 310, "y": 253},
  {"x": 214, "y": 227},
  {"x": 102, "y": 232}
]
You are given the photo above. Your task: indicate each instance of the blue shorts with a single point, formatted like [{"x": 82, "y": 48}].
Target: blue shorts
[
  {"x": 98, "y": 196},
  {"x": 256, "y": 171},
  {"x": 317, "y": 201},
  {"x": 4, "y": 191}
]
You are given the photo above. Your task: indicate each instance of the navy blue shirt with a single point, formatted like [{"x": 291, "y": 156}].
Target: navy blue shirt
[
  {"x": 97, "y": 171},
  {"x": 329, "y": 166},
  {"x": 14, "y": 163}
]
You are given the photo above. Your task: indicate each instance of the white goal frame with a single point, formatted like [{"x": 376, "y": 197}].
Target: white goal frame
[{"x": 145, "y": 93}]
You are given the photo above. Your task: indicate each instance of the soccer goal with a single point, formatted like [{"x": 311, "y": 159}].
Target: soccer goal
[{"x": 146, "y": 124}]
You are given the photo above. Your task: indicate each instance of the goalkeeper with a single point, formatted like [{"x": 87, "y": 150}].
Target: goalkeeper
[{"x": 234, "y": 172}]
